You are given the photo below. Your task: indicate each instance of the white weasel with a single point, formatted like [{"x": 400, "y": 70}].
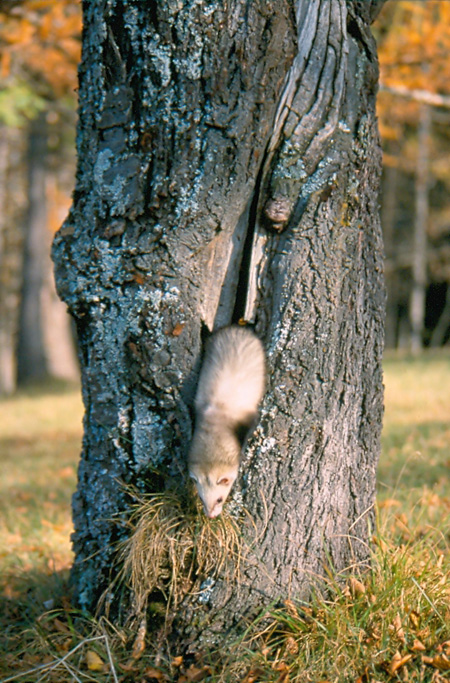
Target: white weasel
[{"x": 230, "y": 387}]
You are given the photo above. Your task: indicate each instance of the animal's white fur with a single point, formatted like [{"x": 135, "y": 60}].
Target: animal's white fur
[{"x": 230, "y": 387}]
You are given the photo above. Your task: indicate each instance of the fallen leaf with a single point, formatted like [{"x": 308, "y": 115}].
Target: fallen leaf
[
  {"x": 418, "y": 646},
  {"x": 380, "y": 543},
  {"x": 291, "y": 608},
  {"x": 93, "y": 661},
  {"x": 64, "y": 646},
  {"x": 60, "y": 626},
  {"x": 397, "y": 662},
  {"x": 66, "y": 472},
  {"x": 139, "y": 642},
  {"x": 440, "y": 662},
  {"x": 177, "y": 661},
  {"x": 356, "y": 587},
  {"x": 346, "y": 592},
  {"x": 128, "y": 667},
  {"x": 397, "y": 628},
  {"x": 364, "y": 676},
  {"x": 389, "y": 503},
  {"x": 252, "y": 675},
  {"x": 194, "y": 674},
  {"x": 401, "y": 521},
  {"x": 156, "y": 674},
  {"x": 291, "y": 646},
  {"x": 283, "y": 677},
  {"x": 414, "y": 618},
  {"x": 51, "y": 525}
]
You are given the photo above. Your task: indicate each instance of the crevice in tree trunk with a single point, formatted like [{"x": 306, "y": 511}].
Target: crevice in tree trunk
[{"x": 247, "y": 280}]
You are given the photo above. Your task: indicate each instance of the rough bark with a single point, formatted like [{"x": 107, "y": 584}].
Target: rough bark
[{"x": 229, "y": 166}]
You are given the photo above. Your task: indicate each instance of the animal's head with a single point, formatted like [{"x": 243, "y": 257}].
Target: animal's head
[{"x": 213, "y": 487}]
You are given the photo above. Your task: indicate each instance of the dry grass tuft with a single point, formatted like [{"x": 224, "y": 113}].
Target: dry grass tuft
[{"x": 173, "y": 549}]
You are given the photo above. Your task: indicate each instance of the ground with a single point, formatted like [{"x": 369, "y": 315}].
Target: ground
[{"x": 393, "y": 625}]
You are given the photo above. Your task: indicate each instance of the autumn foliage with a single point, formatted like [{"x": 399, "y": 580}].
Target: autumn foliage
[
  {"x": 414, "y": 46},
  {"x": 40, "y": 43}
]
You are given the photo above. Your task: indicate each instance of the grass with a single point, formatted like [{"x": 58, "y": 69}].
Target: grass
[
  {"x": 40, "y": 434},
  {"x": 395, "y": 626},
  {"x": 413, "y": 475}
]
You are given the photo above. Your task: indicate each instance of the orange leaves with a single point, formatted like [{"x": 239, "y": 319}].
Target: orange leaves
[
  {"x": 42, "y": 38},
  {"x": 19, "y": 32},
  {"x": 415, "y": 45}
]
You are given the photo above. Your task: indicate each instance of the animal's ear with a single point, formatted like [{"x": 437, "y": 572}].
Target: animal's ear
[{"x": 224, "y": 481}]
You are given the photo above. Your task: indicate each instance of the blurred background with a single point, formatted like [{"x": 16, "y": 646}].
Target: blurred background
[{"x": 40, "y": 42}]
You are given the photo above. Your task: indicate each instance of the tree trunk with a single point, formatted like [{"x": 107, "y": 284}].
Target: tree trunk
[
  {"x": 11, "y": 192},
  {"x": 388, "y": 217},
  {"x": 440, "y": 332},
  {"x": 31, "y": 358},
  {"x": 228, "y": 168},
  {"x": 419, "y": 265},
  {"x": 7, "y": 364}
]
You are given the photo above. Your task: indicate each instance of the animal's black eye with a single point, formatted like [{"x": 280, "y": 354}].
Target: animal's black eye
[{"x": 220, "y": 500}]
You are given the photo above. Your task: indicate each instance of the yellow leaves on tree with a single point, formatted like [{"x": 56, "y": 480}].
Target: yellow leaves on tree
[
  {"x": 40, "y": 39},
  {"x": 413, "y": 45}
]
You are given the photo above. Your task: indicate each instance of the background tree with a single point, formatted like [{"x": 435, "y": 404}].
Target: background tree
[
  {"x": 31, "y": 358},
  {"x": 414, "y": 39},
  {"x": 228, "y": 167},
  {"x": 10, "y": 252},
  {"x": 39, "y": 50}
]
